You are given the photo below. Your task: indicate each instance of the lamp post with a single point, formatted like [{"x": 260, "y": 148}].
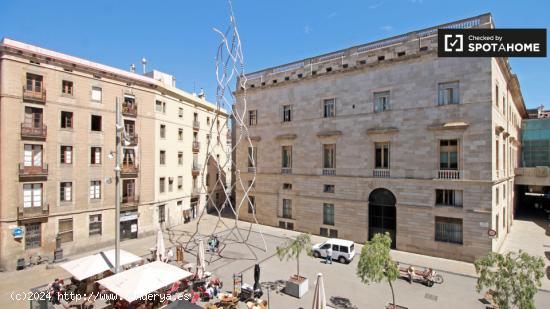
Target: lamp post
[{"x": 119, "y": 130}]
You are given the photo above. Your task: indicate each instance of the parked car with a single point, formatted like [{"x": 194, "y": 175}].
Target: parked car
[{"x": 343, "y": 251}]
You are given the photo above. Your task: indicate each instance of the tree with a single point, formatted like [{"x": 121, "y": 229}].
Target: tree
[
  {"x": 514, "y": 278},
  {"x": 293, "y": 248},
  {"x": 375, "y": 262}
]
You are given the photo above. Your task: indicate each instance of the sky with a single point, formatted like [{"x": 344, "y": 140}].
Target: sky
[{"x": 177, "y": 37}]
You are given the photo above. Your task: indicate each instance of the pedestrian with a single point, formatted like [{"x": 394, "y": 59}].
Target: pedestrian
[{"x": 329, "y": 255}]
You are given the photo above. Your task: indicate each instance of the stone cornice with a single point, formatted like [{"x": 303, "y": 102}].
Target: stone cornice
[{"x": 458, "y": 125}]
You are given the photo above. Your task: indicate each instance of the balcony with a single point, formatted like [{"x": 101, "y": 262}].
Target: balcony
[
  {"x": 33, "y": 213},
  {"x": 33, "y": 173},
  {"x": 329, "y": 171},
  {"x": 196, "y": 146},
  {"x": 129, "y": 110},
  {"x": 381, "y": 173},
  {"x": 30, "y": 132},
  {"x": 130, "y": 201},
  {"x": 36, "y": 94},
  {"x": 286, "y": 170},
  {"x": 196, "y": 125},
  {"x": 196, "y": 191},
  {"x": 129, "y": 171},
  {"x": 196, "y": 169},
  {"x": 448, "y": 174},
  {"x": 133, "y": 139}
]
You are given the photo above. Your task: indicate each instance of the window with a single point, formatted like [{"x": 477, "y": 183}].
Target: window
[
  {"x": 180, "y": 134},
  {"x": 162, "y": 181},
  {"x": 95, "y": 155},
  {"x": 95, "y": 189},
  {"x": 128, "y": 158},
  {"x": 497, "y": 196},
  {"x": 162, "y": 131},
  {"x": 180, "y": 182},
  {"x": 33, "y": 235},
  {"x": 381, "y": 101},
  {"x": 162, "y": 213},
  {"x": 170, "y": 184},
  {"x": 180, "y": 112},
  {"x": 329, "y": 108},
  {"x": 496, "y": 95},
  {"x": 382, "y": 155},
  {"x": 66, "y": 154},
  {"x": 329, "y": 156},
  {"x": 328, "y": 214},
  {"x": 448, "y": 154},
  {"x": 34, "y": 82},
  {"x": 97, "y": 94},
  {"x": 287, "y": 209},
  {"x": 96, "y": 123},
  {"x": 448, "y": 198},
  {"x": 66, "y": 120},
  {"x": 252, "y": 118},
  {"x": 208, "y": 120},
  {"x": 32, "y": 156},
  {"x": 180, "y": 158},
  {"x": 66, "y": 230},
  {"x": 328, "y": 233},
  {"x": 65, "y": 194},
  {"x": 287, "y": 157},
  {"x": 287, "y": 113},
  {"x": 161, "y": 106},
  {"x": 251, "y": 204},
  {"x": 328, "y": 188},
  {"x": 286, "y": 225},
  {"x": 67, "y": 87},
  {"x": 448, "y": 93},
  {"x": 162, "y": 157},
  {"x": 94, "y": 227},
  {"x": 252, "y": 154},
  {"x": 448, "y": 230},
  {"x": 287, "y": 186},
  {"x": 32, "y": 195}
]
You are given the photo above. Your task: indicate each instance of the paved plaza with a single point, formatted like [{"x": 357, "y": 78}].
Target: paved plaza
[{"x": 343, "y": 288}]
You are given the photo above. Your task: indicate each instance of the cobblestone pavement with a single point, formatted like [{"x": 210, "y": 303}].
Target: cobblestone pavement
[{"x": 343, "y": 288}]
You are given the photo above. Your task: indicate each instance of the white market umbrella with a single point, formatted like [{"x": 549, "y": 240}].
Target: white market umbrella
[
  {"x": 91, "y": 265},
  {"x": 142, "y": 280},
  {"x": 201, "y": 267},
  {"x": 319, "y": 299},
  {"x": 161, "y": 249}
]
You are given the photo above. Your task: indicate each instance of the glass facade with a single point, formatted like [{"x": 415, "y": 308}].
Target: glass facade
[{"x": 535, "y": 137}]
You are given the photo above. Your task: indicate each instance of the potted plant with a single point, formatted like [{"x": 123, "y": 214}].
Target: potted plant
[{"x": 296, "y": 285}]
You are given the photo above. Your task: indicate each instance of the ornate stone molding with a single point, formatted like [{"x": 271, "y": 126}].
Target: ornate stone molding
[
  {"x": 382, "y": 130},
  {"x": 458, "y": 125}
]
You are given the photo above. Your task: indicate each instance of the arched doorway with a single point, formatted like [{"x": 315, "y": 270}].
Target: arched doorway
[{"x": 382, "y": 214}]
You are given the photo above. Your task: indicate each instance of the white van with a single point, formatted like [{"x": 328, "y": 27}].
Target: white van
[{"x": 343, "y": 251}]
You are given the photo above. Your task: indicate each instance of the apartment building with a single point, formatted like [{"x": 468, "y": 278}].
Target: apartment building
[
  {"x": 386, "y": 137},
  {"x": 57, "y": 148}
]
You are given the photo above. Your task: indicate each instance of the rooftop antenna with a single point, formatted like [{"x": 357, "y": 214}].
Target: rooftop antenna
[{"x": 143, "y": 63}]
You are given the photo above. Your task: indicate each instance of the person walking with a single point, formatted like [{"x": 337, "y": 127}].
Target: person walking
[{"x": 329, "y": 255}]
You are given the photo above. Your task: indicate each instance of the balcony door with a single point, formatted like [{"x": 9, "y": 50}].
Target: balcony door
[
  {"x": 34, "y": 82},
  {"x": 129, "y": 158},
  {"x": 33, "y": 117},
  {"x": 32, "y": 157},
  {"x": 128, "y": 190}
]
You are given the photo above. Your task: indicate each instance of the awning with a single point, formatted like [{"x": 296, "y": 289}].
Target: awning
[
  {"x": 92, "y": 265},
  {"x": 142, "y": 280}
]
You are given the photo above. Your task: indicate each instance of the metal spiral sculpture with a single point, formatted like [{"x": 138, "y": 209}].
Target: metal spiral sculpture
[{"x": 229, "y": 71}]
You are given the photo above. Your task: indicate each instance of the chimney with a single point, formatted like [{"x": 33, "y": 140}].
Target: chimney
[
  {"x": 202, "y": 95},
  {"x": 133, "y": 68}
]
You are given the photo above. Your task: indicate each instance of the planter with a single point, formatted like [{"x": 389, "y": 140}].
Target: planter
[{"x": 296, "y": 286}]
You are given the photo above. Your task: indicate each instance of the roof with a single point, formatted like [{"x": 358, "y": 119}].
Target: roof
[
  {"x": 113, "y": 72},
  {"x": 338, "y": 241}
]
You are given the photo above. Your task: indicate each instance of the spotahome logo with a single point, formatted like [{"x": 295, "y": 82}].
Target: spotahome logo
[{"x": 491, "y": 42}]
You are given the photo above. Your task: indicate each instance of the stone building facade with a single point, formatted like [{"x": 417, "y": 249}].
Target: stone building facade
[
  {"x": 57, "y": 141},
  {"x": 386, "y": 137}
]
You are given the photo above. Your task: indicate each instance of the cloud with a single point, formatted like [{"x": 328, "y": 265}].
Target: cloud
[
  {"x": 307, "y": 29},
  {"x": 386, "y": 28},
  {"x": 332, "y": 15}
]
